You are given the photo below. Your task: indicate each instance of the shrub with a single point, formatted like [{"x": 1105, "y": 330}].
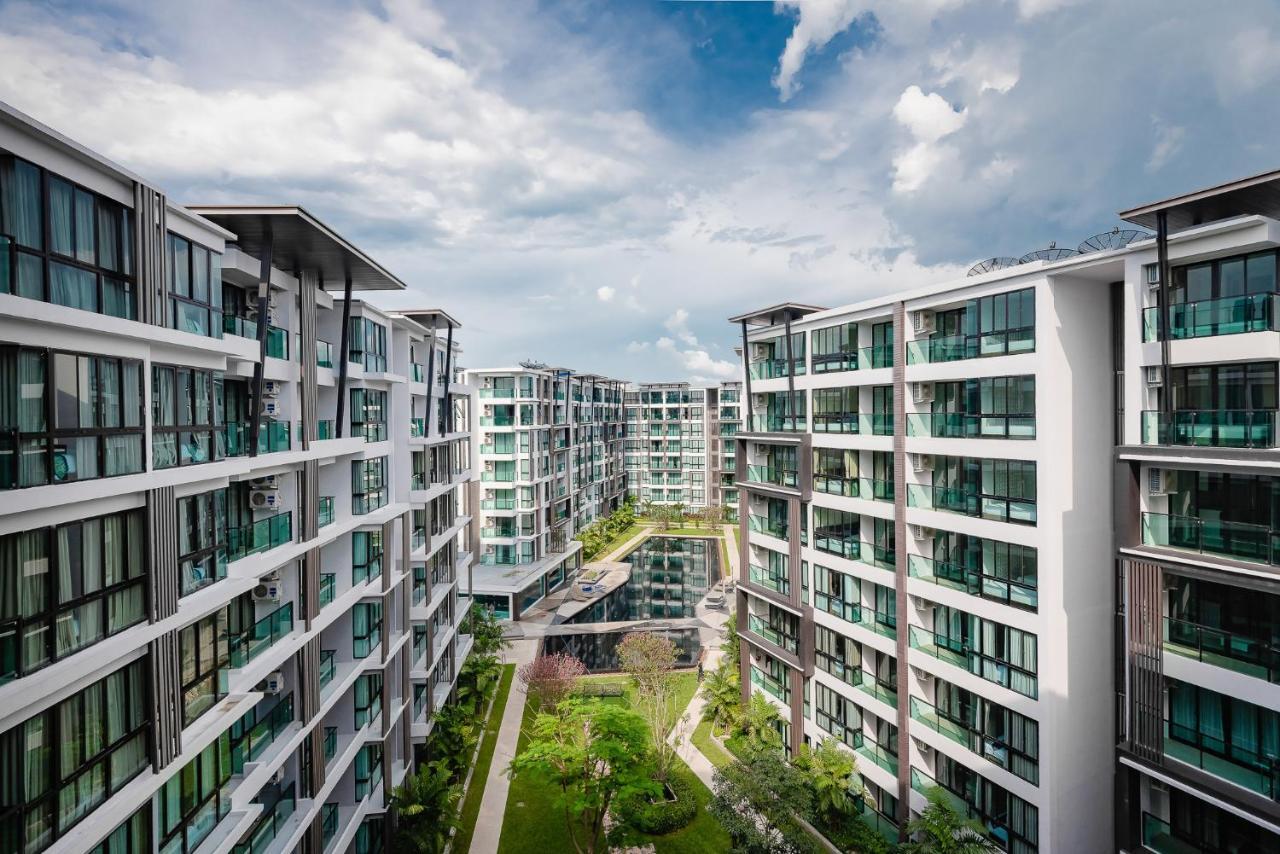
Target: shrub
[{"x": 660, "y": 816}]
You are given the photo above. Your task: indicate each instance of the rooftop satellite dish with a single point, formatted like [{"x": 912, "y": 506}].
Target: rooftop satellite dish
[
  {"x": 998, "y": 263},
  {"x": 531, "y": 365},
  {"x": 1053, "y": 253},
  {"x": 1116, "y": 238}
]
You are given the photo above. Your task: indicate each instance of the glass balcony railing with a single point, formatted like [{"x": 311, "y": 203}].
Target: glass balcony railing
[
  {"x": 928, "y": 715},
  {"x": 959, "y": 425},
  {"x": 417, "y": 427},
  {"x": 772, "y": 634},
  {"x": 491, "y": 393},
  {"x": 1208, "y": 318},
  {"x": 1249, "y": 765},
  {"x": 1211, "y": 428},
  {"x": 825, "y": 363},
  {"x": 503, "y": 532},
  {"x": 328, "y": 588},
  {"x": 882, "y": 691},
  {"x": 923, "y": 783},
  {"x": 769, "y": 369},
  {"x": 329, "y": 743},
  {"x": 324, "y": 354},
  {"x": 273, "y": 818},
  {"x": 877, "y": 356},
  {"x": 874, "y": 554},
  {"x": 261, "y": 636},
  {"x": 324, "y": 514},
  {"x": 497, "y": 420},
  {"x": 498, "y": 449},
  {"x": 773, "y": 687},
  {"x": 877, "y": 754},
  {"x": 973, "y": 581},
  {"x": 779, "y": 423},
  {"x": 1236, "y": 540},
  {"x": 260, "y": 536},
  {"x": 775, "y": 581},
  {"x": 1221, "y": 648},
  {"x": 417, "y": 372},
  {"x": 876, "y": 423},
  {"x": 765, "y": 525},
  {"x": 882, "y": 824},
  {"x": 835, "y": 422},
  {"x": 498, "y": 504},
  {"x": 836, "y": 485},
  {"x": 958, "y": 653},
  {"x": 498, "y": 476},
  {"x": 838, "y": 541},
  {"x": 328, "y": 668},
  {"x": 776, "y": 476},
  {"x": 273, "y": 436},
  {"x": 876, "y": 490},
  {"x": 254, "y": 741},
  {"x": 969, "y": 503}
]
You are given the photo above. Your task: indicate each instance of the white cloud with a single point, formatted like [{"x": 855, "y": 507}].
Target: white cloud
[
  {"x": 699, "y": 363},
  {"x": 1167, "y": 142},
  {"x": 678, "y": 325},
  {"x": 637, "y": 346},
  {"x": 604, "y": 293},
  {"x": 988, "y": 67},
  {"x": 928, "y": 117},
  {"x": 817, "y": 22}
]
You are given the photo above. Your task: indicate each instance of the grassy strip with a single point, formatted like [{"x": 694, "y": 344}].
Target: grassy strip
[
  {"x": 689, "y": 532},
  {"x": 488, "y": 743},
  {"x": 709, "y": 747},
  {"x": 616, "y": 541},
  {"x": 534, "y": 824},
  {"x": 726, "y": 568}
]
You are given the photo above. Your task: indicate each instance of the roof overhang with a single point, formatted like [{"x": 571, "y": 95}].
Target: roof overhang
[
  {"x": 1259, "y": 194},
  {"x": 431, "y": 318},
  {"x": 301, "y": 243},
  {"x": 775, "y": 314}
]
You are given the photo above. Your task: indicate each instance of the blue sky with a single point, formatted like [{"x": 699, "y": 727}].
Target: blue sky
[{"x": 600, "y": 184}]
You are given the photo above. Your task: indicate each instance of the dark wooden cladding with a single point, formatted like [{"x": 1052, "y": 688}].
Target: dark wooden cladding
[
  {"x": 162, "y": 553},
  {"x": 166, "y": 700},
  {"x": 150, "y": 235},
  {"x": 1144, "y": 635},
  {"x": 308, "y": 290},
  {"x": 308, "y": 662}
]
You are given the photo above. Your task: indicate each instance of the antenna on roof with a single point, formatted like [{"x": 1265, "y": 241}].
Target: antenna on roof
[
  {"x": 533, "y": 365},
  {"x": 1116, "y": 238},
  {"x": 997, "y": 263},
  {"x": 1053, "y": 253}
]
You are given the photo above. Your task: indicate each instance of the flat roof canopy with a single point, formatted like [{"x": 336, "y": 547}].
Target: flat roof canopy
[
  {"x": 430, "y": 317},
  {"x": 1259, "y": 194},
  {"x": 301, "y": 242},
  {"x": 774, "y": 314}
]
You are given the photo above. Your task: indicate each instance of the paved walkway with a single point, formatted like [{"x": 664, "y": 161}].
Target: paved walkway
[
  {"x": 694, "y": 758},
  {"x": 494, "y": 803}
]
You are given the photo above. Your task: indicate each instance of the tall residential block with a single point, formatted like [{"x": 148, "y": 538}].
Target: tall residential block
[{"x": 233, "y": 514}]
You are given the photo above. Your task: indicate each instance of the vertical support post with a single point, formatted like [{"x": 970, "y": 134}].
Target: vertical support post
[
  {"x": 746, "y": 375},
  {"x": 791, "y": 375},
  {"x": 446, "y": 407},
  {"x": 900, "y": 562},
  {"x": 264, "y": 294},
  {"x": 344, "y": 342},
  {"x": 1166, "y": 313},
  {"x": 431, "y": 380}
]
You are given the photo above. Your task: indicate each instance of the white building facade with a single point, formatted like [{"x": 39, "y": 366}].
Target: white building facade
[
  {"x": 229, "y": 552},
  {"x": 550, "y": 459}
]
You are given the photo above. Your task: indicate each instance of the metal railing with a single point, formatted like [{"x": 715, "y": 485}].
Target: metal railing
[
  {"x": 261, "y": 636},
  {"x": 1208, "y": 318},
  {"x": 260, "y": 536},
  {"x": 1210, "y": 428},
  {"x": 966, "y": 502},
  {"x": 1221, "y": 648},
  {"x": 973, "y": 582},
  {"x": 1239, "y": 540}
]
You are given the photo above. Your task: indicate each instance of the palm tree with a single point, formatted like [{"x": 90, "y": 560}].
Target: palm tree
[
  {"x": 427, "y": 805},
  {"x": 833, "y": 774},
  {"x": 723, "y": 696},
  {"x": 760, "y": 719},
  {"x": 478, "y": 675},
  {"x": 941, "y": 829}
]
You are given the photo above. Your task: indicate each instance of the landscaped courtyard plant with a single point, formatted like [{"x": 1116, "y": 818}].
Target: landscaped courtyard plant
[
  {"x": 591, "y": 752},
  {"x": 426, "y": 806},
  {"x": 650, "y": 660},
  {"x": 549, "y": 679},
  {"x": 760, "y": 800}
]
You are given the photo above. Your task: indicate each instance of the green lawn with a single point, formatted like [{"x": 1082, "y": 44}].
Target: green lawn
[
  {"x": 709, "y": 747},
  {"x": 726, "y": 568},
  {"x": 533, "y": 824},
  {"x": 489, "y": 741},
  {"x": 617, "y": 541},
  {"x": 689, "y": 532}
]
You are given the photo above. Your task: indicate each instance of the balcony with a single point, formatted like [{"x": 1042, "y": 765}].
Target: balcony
[
  {"x": 261, "y": 636},
  {"x": 841, "y": 542},
  {"x": 1209, "y": 318},
  {"x": 927, "y": 714},
  {"x": 876, "y": 423},
  {"x": 779, "y": 423},
  {"x": 273, "y": 818},
  {"x": 248, "y": 745},
  {"x": 501, "y": 393},
  {"x": 960, "y": 425},
  {"x": 498, "y": 476},
  {"x": 417, "y": 427},
  {"x": 877, "y": 356},
  {"x": 277, "y": 338},
  {"x": 877, "y": 754},
  {"x": 967, "y": 503},
  {"x": 273, "y": 436},
  {"x": 973, "y": 581},
  {"x": 1210, "y": 428},
  {"x": 503, "y": 532},
  {"x": 772, "y": 634},
  {"x": 876, "y": 490},
  {"x": 774, "y": 476},
  {"x": 324, "y": 354},
  {"x": 842, "y": 422},
  {"x": 825, "y": 363},
  {"x": 770, "y": 369},
  {"x": 882, "y": 691},
  {"x": 765, "y": 525},
  {"x": 957, "y": 652},
  {"x": 836, "y": 485},
  {"x": 778, "y": 582},
  {"x": 1235, "y": 540},
  {"x": 501, "y": 420},
  {"x": 324, "y": 513},
  {"x": 498, "y": 504},
  {"x": 260, "y": 536},
  {"x": 1221, "y": 648},
  {"x": 775, "y": 688},
  {"x": 327, "y": 588},
  {"x": 1249, "y": 767},
  {"x": 328, "y": 668}
]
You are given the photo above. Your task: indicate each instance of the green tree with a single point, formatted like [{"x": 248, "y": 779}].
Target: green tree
[
  {"x": 833, "y": 775},
  {"x": 760, "y": 800},
  {"x": 427, "y": 807},
  {"x": 650, "y": 660},
  {"x": 453, "y": 736},
  {"x": 760, "y": 721},
  {"x": 723, "y": 694},
  {"x": 591, "y": 752},
  {"x": 941, "y": 829},
  {"x": 486, "y": 631},
  {"x": 731, "y": 646},
  {"x": 477, "y": 679}
]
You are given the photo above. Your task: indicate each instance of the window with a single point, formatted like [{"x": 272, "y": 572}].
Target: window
[
  {"x": 202, "y": 539},
  {"x": 1225, "y": 278},
  {"x": 368, "y": 344},
  {"x": 835, "y": 410},
  {"x": 836, "y": 532},
  {"x": 366, "y": 628},
  {"x": 186, "y": 416},
  {"x": 882, "y": 410},
  {"x": 997, "y": 653},
  {"x": 991, "y": 569},
  {"x": 1001, "y": 324},
  {"x": 837, "y": 715},
  {"x": 1002, "y": 736},
  {"x": 835, "y": 348},
  {"x": 881, "y": 345},
  {"x": 133, "y": 834},
  {"x": 366, "y": 556},
  {"x": 195, "y": 287},
  {"x": 67, "y": 416},
  {"x": 368, "y": 485},
  {"x": 204, "y": 651},
  {"x": 368, "y": 777},
  {"x": 88, "y": 257},
  {"x": 192, "y": 802},
  {"x": 368, "y": 698},
  {"x": 999, "y": 407},
  {"x": 1004, "y": 490},
  {"x": 837, "y": 655},
  {"x": 369, "y": 414},
  {"x": 1006, "y": 816},
  {"x": 837, "y": 593},
  {"x": 65, "y": 761}
]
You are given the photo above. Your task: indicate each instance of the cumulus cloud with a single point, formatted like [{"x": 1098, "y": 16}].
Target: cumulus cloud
[
  {"x": 604, "y": 293},
  {"x": 817, "y": 22},
  {"x": 678, "y": 325},
  {"x": 1167, "y": 142},
  {"x": 700, "y": 364}
]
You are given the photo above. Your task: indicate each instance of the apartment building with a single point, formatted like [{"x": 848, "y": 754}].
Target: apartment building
[
  {"x": 551, "y": 463},
  {"x": 666, "y": 443},
  {"x": 1198, "y": 631},
  {"x": 946, "y": 497},
  {"x": 233, "y": 515},
  {"x": 724, "y": 422}
]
